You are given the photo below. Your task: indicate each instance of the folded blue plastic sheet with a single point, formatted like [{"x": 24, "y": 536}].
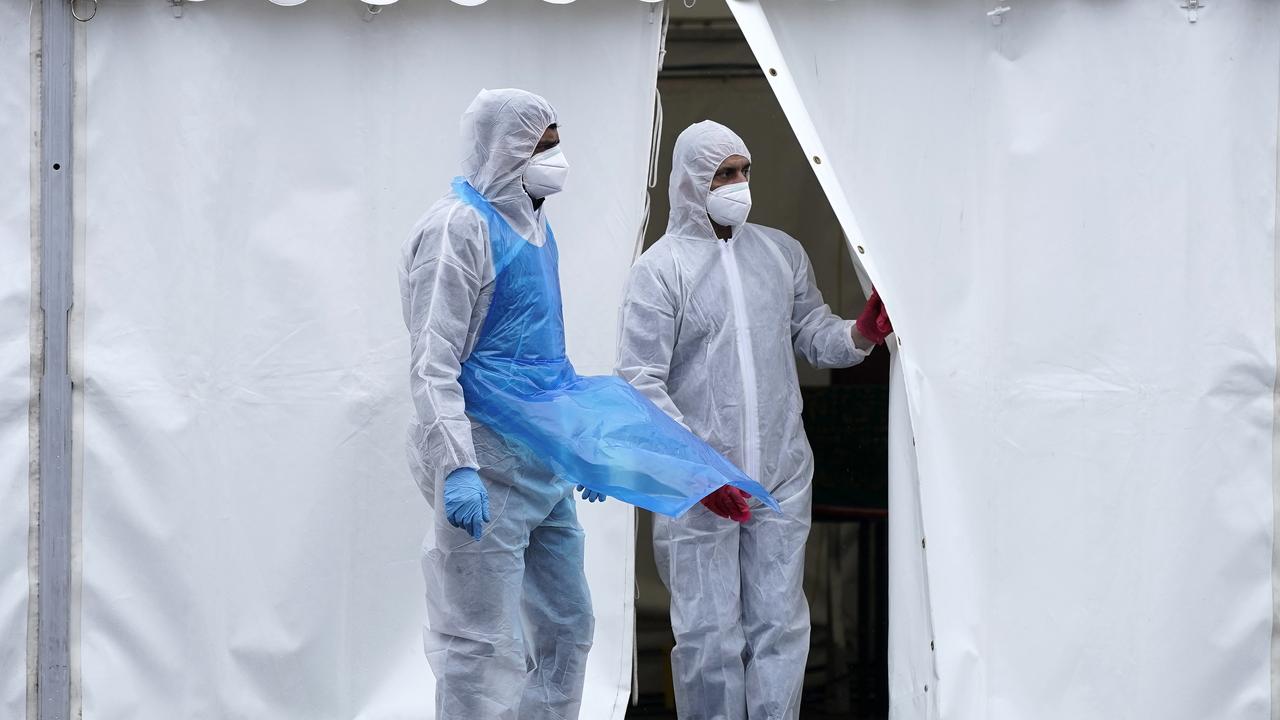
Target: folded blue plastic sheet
[{"x": 598, "y": 432}]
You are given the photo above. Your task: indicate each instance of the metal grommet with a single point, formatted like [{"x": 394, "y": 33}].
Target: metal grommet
[
  {"x": 773, "y": 72},
  {"x": 862, "y": 250},
  {"x": 91, "y": 15},
  {"x": 817, "y": 160}
]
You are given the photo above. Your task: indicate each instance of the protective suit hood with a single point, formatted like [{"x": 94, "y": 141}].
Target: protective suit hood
[
  {"x": 500, "y": 131},
  {"x": 698, "y": 153}
]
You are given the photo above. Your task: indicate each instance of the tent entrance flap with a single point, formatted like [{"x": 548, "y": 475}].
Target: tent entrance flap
[{"x": 1060, "y": 211}]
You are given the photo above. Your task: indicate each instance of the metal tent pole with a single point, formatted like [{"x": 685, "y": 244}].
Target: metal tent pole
[{"x": 54, "y": 572}]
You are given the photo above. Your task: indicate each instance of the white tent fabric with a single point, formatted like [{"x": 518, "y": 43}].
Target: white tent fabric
[
  {"x": 913, "y": 676},
  {"x": 1070, "y": 209},
  {"x": 468, "y": 3},
  {"x": 15, "y": 349},
  {"x": 250, "y": 530}
]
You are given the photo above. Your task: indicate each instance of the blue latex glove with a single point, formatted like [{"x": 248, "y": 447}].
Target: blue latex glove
[
  {"x": 466, "y": 502},
  {"x": 591, "y": 495}
]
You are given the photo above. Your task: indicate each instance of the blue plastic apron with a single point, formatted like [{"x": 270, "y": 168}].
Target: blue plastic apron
[{"x": 594, "y": 431}]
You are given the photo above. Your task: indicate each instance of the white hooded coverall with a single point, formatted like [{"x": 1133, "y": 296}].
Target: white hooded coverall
[
  {"x": 709, "y": 332},
  {"x": 509, "y": 617}
]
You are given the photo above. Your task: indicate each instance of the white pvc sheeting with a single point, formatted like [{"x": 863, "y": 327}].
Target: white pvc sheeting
[
  {"x": 15, "y": 348},
  {"x": 250, "y": 530},
  {"x": 1072, "y": 217}
]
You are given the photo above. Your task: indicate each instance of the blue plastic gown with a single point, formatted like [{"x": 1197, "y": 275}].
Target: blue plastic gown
[{"x": 598, "y": 432}]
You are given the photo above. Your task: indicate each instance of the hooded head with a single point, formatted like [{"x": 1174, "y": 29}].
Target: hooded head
[
  {"x": 698, "y": 153},
  {"x": 500, "y": 130}
]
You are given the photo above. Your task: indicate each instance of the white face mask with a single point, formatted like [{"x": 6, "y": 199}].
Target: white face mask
[
  {"x": 729, "y": 205},
  {"x": 546, "y": 173}
]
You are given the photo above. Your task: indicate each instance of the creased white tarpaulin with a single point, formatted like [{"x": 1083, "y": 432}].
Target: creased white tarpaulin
[
  {"x": 15, "y": 349},
  {"x": 1071, "y": 216},
  {"x": 250, "y": 531}
]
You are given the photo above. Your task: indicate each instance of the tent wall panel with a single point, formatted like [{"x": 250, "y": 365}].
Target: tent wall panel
[
  {"x": 15, "y": 347},
  {"x": 250, "y": 531},
  {"x": 1071, "y": 212}
]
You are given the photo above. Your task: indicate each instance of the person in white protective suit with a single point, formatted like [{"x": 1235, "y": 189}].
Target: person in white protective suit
[
  {"x": 714, "y": 315},
  {"x": 509, "y": 614}
]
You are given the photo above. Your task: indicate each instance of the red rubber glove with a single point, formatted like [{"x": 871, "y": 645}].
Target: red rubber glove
[
  {"x": 730, "y": 503},
  {"x": 874, "y": 322}
]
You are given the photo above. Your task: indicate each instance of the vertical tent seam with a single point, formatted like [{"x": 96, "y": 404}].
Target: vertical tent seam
[{"x": 1275, "y": 448}]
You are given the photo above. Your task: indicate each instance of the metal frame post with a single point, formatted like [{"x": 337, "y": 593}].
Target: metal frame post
[{"x": 56, "y": 228}]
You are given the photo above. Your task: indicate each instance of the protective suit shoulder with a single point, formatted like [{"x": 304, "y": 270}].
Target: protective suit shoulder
[
  {"x": 454, "y": 232},
  {"x": 791, "y": 248},
  {"x": 655, "y": 269},
  {"x": 658, "y": 254}
]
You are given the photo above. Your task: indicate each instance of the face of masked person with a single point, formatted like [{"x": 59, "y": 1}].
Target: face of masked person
[
  {"x": 729, "y": 205},
  {"x": 729, "y": 201},
  {"x": 548, "y": 169}
]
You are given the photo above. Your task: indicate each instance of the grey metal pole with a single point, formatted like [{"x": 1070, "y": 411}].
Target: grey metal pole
[{"x": 56, "y": 110}]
